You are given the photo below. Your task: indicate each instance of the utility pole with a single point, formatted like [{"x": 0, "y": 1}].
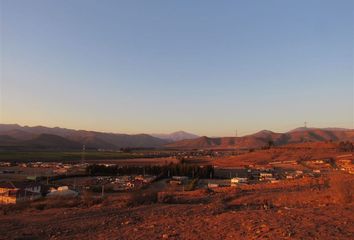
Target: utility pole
[
  {"x": 305, "y": 124},
  {"x": 83, "y": 153}
]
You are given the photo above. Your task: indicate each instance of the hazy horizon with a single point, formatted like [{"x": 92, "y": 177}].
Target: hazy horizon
[{"x": 205, "y": 67}]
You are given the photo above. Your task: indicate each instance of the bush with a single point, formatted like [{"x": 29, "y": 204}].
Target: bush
[
  {"x": 88, "y": 199},
  {"x": 142, "y": 197},
  {"x": 191, "y": 185},
  {"x": 165, "y": 197}
]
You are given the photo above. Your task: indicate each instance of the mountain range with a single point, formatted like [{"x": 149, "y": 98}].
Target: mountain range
[
  {"x": 13, "y": 136},
  {"x": 265, "y": 137},
  {"x": 16, "y": 137}
]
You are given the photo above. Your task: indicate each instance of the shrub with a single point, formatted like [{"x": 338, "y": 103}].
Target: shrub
[
  {"x": 142, "y": 197},
  {"x": 191, "y": 185}
]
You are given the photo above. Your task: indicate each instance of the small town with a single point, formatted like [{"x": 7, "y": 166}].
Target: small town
[
  {"x": 176, "y": 120},
  {"x": 20, "y": 182}
]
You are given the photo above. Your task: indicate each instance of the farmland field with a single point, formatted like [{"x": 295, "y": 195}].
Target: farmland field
[{"x": 67, "y": 156}]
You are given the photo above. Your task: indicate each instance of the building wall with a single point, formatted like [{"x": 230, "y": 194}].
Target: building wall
[
  {"x": 8, "y": 200},
  {"x": 3, "y": 190}
]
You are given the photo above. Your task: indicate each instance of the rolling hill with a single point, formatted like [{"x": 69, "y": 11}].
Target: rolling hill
[
  {"x": 13, "y": 136},
  {"x": 263, "y": 138},
  {"x": 50, "y": 142},
  {"x": 18, "y": 137}
]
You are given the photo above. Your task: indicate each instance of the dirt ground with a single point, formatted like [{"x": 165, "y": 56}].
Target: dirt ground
[
  {"x": 292, "y": 152},
  {"x": 298, "y": 209}
]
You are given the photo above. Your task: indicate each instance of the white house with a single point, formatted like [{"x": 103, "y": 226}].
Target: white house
[{"x": 238, "y": 180}]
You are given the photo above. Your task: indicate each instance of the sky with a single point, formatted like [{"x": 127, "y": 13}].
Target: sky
[{"x": 207, "y": 67}]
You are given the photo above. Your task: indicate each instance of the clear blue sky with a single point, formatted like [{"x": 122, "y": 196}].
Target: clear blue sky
[{"x": 206, "y": 67}]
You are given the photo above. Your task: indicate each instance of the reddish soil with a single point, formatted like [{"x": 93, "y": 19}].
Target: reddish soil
[
  {"x": 287, "y": 153},
  {"x": 297, "y": 209}
]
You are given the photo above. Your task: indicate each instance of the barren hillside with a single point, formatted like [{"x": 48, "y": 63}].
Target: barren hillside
[{"x": 265, "y": 138}]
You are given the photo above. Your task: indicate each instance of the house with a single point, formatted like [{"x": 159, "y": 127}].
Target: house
[
  {"x": 231, "y": 172},
  {"x": 238, "y": 180},
  {"x": 213, "y": 185},
  {"x": 290, "y": 162},
  {"x": 293, "y": 174},
  {"x": 265, "y": 175},
  {"x": 62, "y": 191},
  {"x": 145, "y": 179},
  {"x": 14, "y": 192},
  {"x": 179, "y": 180}
]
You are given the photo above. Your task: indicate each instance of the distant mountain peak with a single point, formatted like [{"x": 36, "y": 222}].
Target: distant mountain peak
[
  {"x": 180, "y": 132},
  {"x": 265, "y": 131},
  {"x": 176, "y": 136}
]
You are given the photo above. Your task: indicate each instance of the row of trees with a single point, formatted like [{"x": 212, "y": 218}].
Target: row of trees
[
  {"x": 346, "y": 146},
  {"x": 192, "y": 171}
]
